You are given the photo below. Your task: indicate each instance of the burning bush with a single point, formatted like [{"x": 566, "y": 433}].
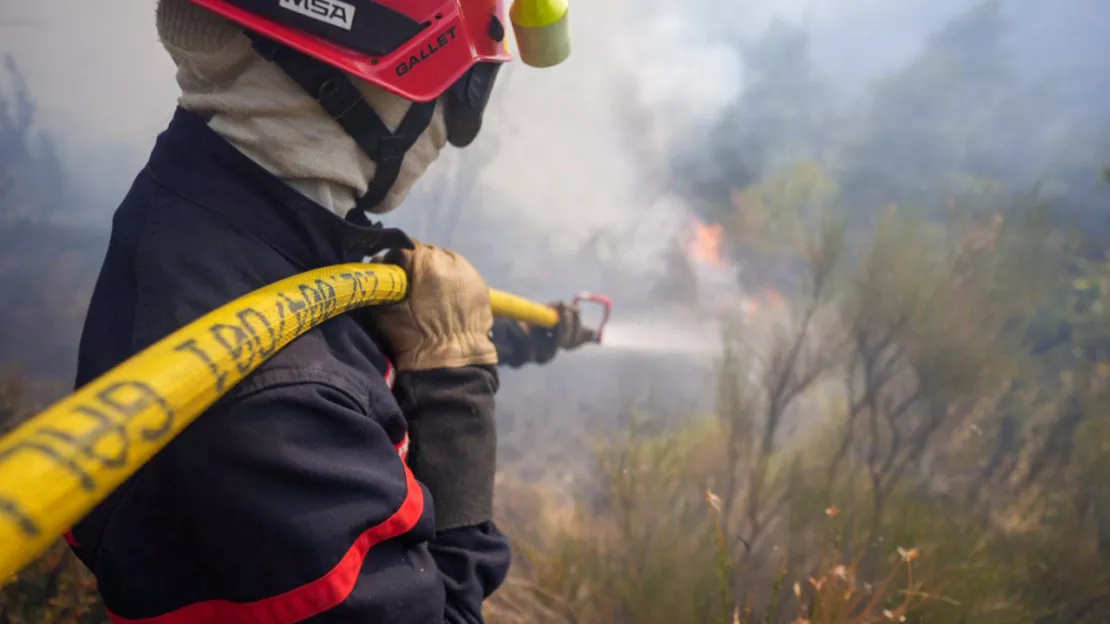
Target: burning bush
[{"x": 898, "y": 448}]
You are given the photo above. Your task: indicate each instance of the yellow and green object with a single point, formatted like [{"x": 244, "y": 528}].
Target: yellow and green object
[
  {"x": 61, "y": 463},
  {"x": 542, "y": 31}
]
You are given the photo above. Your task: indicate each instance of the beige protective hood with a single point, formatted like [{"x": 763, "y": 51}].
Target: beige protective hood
[{"x": 269, "y": 118}]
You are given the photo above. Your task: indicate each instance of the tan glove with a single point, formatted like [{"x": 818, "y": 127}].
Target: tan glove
[{"x": 446, "y": 319}]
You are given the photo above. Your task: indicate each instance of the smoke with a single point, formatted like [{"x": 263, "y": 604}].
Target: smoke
[
  {"x": 106, "y": 89},
  {"x": 103, "y": 85},
  {"x": 582, "y": 145},
  {"x": 587, "y": 175}
]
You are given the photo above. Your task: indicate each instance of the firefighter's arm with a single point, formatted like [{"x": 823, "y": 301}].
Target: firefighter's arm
[
  {"x": 519, "y": 343},
  {"x": 450, "y": 416},
  {"x": 439, "y": 338},
  {"x": 291, "y": 503}
]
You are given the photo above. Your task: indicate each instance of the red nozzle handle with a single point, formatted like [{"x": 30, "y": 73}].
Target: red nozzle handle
[{"x": 605, "y": 302}]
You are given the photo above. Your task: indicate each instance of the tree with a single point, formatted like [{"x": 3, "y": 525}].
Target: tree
[
  {"x": 32, "y": 184},
  {"x": 941, "y": 126},
  {"x": 48, "y": 265},
  {"x": 776, "y": 122}
]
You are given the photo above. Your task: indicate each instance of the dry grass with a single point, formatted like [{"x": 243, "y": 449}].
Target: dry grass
[
  {"x": 55, "y": 589},
  {"x": 650, "y": 545}
]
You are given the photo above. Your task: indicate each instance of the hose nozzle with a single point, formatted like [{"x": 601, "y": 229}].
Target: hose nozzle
[{"x": 607, "y": 309}]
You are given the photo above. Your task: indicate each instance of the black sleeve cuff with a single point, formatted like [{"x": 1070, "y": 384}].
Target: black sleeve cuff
[
  {"x": 454, "y": 441},
  {"x": 517, "y": 346}
]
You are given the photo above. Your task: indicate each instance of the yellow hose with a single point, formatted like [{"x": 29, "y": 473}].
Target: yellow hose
[
  {"x": 58, "y": 465},
  {"x": 511, "y": 306}
]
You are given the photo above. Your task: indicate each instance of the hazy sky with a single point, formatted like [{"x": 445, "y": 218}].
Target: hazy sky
[{"x": 106, "y": 87}]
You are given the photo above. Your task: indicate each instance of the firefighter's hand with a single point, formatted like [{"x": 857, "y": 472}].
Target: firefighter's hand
[
  {"x": 569, "y": 334},
  {"x": 446, "y": 319}
]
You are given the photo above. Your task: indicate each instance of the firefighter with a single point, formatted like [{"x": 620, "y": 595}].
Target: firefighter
[{"x": 350, "y": 478}]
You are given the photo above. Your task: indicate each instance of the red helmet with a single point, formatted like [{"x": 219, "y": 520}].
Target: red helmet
[
  {"x": 414, "y": 48},
  {"x": 418, "y": 49}
]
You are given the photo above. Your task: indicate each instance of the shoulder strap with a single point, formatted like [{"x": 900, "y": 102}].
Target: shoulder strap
[{"x": 340, "y": 98}]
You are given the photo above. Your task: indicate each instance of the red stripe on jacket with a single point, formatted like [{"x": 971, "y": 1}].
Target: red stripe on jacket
[
  {"x": 307, "y": 600},
  {"x": 402, "y": 447}
]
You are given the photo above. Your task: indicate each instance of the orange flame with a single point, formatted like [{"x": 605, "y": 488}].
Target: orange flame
[
  {"x": 774, "y": 298},
  {"x": 704, "y": 245}
]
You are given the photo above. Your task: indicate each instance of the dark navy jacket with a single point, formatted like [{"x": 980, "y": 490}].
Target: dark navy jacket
[{"x": 290, "y": 499}]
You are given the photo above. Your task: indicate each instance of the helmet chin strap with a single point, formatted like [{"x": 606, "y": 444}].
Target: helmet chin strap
[{"x": 341, "y": 99}]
